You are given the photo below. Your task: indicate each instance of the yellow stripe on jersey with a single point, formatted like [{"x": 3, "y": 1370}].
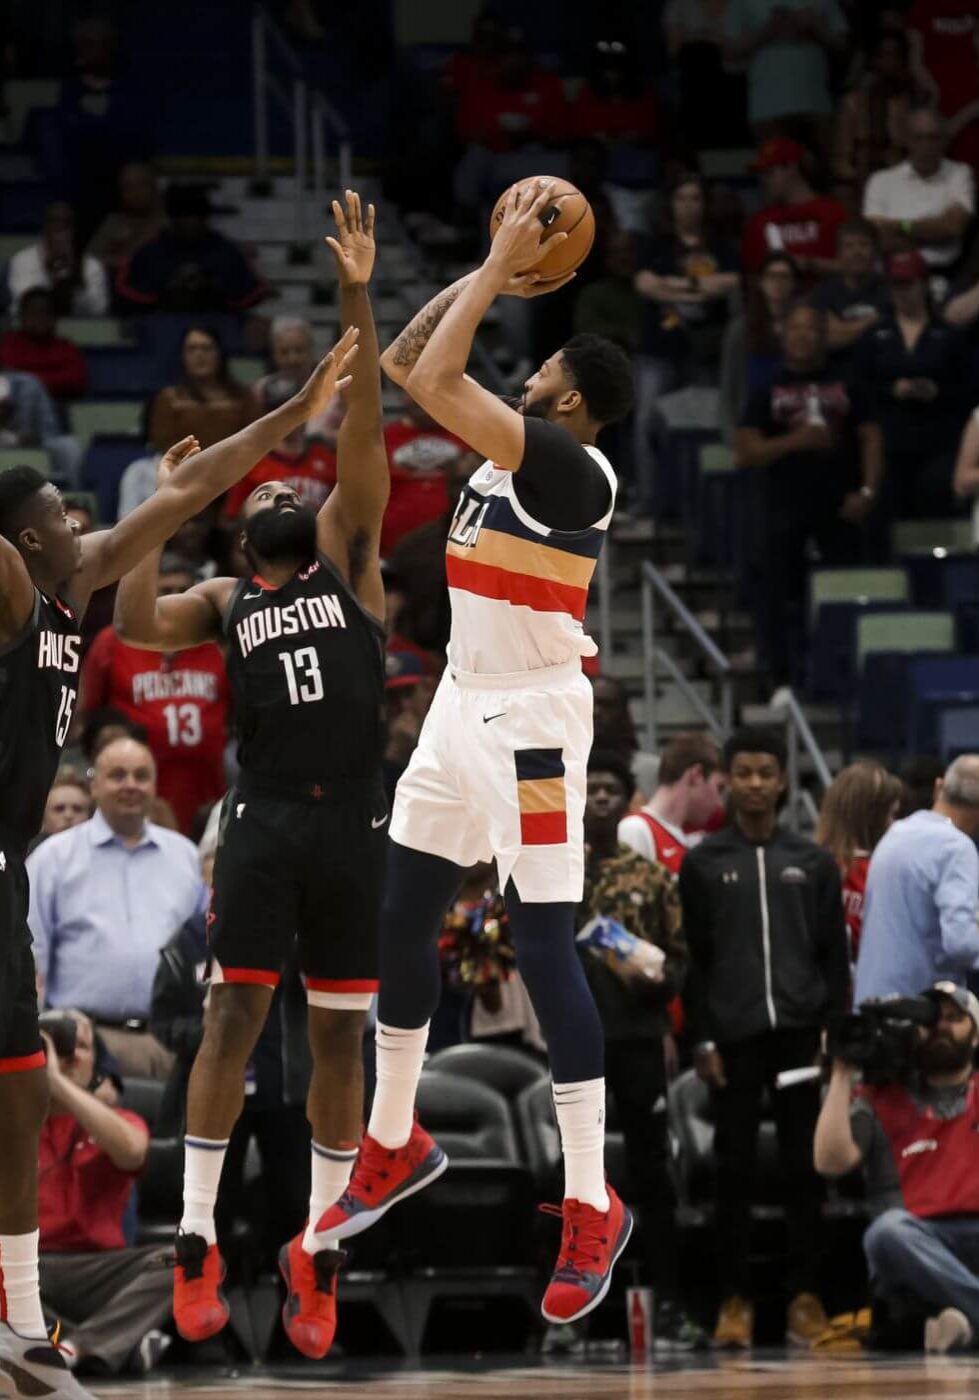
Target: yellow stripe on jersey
[
  {"x": 503, "y": 551},
  {"x": 541, "y": 795}
]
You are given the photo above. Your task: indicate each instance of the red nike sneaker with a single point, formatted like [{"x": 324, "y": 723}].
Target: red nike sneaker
[
  {"x": 200, "y": 1309},
  {"x": 309, "y": 1313},
  {"x": 590, "y": 1244},
  {"x": 383, "y": 1176}
]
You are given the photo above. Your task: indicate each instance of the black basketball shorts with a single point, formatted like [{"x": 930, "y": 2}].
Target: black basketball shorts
[
  {"x": 20, "y": 1041},
  {"x": 306, "y": 871}
]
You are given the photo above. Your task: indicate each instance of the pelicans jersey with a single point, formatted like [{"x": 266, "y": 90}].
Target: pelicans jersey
[
  {"x": 38, "y": 688},
  {"x": 499, "y": 771}
]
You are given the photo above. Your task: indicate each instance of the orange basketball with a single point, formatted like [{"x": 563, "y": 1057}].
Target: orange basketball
[{"x": 569, "y": 212}]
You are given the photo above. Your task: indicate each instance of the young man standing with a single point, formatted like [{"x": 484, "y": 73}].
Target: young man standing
[
  {"x": 763, "y": 919},
  {"x": 499, "y": 771},
  {"x": 689, "y": 793}
]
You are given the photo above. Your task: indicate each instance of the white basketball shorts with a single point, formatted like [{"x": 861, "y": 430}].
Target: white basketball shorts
[{"x": 499, "y": 772}]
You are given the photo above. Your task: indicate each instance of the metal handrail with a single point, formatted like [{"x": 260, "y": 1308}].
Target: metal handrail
[
  {"x": 324, "y": 116},
  {"x": 797, "y": 729},
  {"x": 655, "y": 585}
]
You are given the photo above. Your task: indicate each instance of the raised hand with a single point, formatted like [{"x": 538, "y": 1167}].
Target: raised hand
[
  {"x": 516, "y": 246},
  {"x": 171, "y": 459},
  {"x": 330, "y": 375},
  {"x": 353, "y": 248}
]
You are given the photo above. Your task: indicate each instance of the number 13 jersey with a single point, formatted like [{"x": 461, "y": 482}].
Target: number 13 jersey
[{"x": 306, "y": 666}]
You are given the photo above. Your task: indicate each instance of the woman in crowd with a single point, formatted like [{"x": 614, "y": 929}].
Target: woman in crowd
[
  {"x": 206, "y": 400},
  {"x": 752, "y": 349},
  {"x": 858, "y": 807}
]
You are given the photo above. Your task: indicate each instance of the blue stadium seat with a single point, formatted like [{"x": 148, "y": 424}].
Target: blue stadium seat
[
  {"x": 957, "y": 731},
  {"x": 942, "y": 578},
  {"x": 121, "y": 373},
  {"x": 938, "y": 684},
  {"x": 106, "y": 459}
]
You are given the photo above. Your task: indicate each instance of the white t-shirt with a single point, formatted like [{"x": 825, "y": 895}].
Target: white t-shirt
[
  {"x": 27, "y": 270},
  {"x": 901, "y": 193}
]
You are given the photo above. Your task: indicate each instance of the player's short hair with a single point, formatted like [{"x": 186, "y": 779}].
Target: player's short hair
[
  {"x": 616, "y": 763},
  {"x": 17, "y": 487},
  {"x": 602, "y": 373},
  {"x": 755, "y": 738},
  {"x": 684, "y": 752}
]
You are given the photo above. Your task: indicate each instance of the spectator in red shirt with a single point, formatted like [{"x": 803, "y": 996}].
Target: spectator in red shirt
[
  {"x": 613, "y": 103},
  {"x": 111, "y": 1299},
  {"x": 182, "y": 701},
  {"x": 945, "y": 51},
  {"x": 309, "y": 467},
  {"x": 795, "y": 220},
  {"x": 858, "y": 806},
  {"x": 421, "y": 454},
  {"x": 35, "y": 349}
]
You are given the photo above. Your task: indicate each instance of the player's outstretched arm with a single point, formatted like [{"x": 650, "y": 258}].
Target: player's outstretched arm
[
  {"x": 198, "y": 478},
  {"x": 168, "y": 624},
  {"x": 439, "y": 381},
  {"x": 349, "y": 524}
]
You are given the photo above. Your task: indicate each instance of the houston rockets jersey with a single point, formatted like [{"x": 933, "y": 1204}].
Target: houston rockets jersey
[
  {"x": 38, "y": 689},
  {"x": 518, "y": 589},
  {"x": 182, "y": 700}
]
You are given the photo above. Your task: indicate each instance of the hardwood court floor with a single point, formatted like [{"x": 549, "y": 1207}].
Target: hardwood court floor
[{"x": 764, "y": 1376}]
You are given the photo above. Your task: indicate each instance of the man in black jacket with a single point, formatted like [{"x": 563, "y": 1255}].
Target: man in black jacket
[{"x": 763, "y": 917}]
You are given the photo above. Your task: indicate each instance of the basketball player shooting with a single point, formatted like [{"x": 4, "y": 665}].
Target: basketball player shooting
[
  {"x": 47, "y": 576},
  {"x": 499, "y": 771},
  {"x": 302, "y": 838}
]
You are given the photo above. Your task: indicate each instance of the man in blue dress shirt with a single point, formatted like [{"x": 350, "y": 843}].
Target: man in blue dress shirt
[
  {"x": 105, "y": 897},
  {"x": 922, "y": 900}
]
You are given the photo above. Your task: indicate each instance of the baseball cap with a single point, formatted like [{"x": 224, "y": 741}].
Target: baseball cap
[
  {"x": 403, "y": 668},
  {"x": 780, "y": 150},
  {"x": 964, "y": 999},
  {"x": 909, "y": 266}
]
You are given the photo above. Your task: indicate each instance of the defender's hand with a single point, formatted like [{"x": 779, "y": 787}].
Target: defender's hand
[
  {"x": 330, "y": 375},
  {"x": 171, "y": 459},
  {"x": 517, "y": 245},
  {"x": 353, "y": 248}
]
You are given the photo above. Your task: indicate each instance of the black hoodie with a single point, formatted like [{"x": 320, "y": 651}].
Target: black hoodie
[{"x": 764, "y": 924}]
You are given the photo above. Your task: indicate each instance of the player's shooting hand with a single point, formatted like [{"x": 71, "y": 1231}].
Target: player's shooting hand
[
  {"x": 531, "y": 284},
  {"x": 330, "y": 375},
  {"x": 171, "y": 459},
  {"x": 516, "y": 248},
  {"x": 353, "y": 248}
]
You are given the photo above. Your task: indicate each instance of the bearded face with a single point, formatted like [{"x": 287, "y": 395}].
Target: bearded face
[{"x": 282, "y": 532}]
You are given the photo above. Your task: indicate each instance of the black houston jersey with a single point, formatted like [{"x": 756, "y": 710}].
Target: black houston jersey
[
  {"x": 38, "y": 690},
  {"x": 306, "y": 665}
]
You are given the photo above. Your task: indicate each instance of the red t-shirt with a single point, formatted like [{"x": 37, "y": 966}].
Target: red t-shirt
[
  {"x": 948, "y": 42},
  {"x": 617, "y": 119},
  {"x": 505, "y": 118},
  {"x": 808, "y": 230},
  {"x": 183, "y": 700},
  {"x": 313, "y": 475},
  {"x": 59, "y": 365},
  {"x": 418, "y": 458},
  {"x": 82, "y": 1195},
  {"x": 854, "y": 889}
]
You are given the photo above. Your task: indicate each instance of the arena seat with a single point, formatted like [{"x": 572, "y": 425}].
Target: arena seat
[
  {"x": 89, "y": 332},
  {"x": 106, "y": 459},
  {"x": 87, "y": 419},
  {"x": 692, "y": 1124},
  {"x": 885, "y": 645},
  {"x": 938, "y": 683},
  {"x": 507, "y": 1070},
  {"x": 144, "y": 1096},
  {"x": 957, "y": 730},
  {"x": 35, "y": 457},
  {"x": 911, "y": 536}
]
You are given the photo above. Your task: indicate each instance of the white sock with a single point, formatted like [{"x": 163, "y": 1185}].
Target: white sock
[
  {"x": 203, "y": 1160},
  {"x": 20, "y": 1298},
  {"x": 331, "y": 1168},
  {"x": 400, "y": 1056},
  {"x": 580, "y": 1112}
]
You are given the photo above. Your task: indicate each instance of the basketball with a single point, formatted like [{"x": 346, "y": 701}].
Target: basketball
[{"x": 569, "y": 212}]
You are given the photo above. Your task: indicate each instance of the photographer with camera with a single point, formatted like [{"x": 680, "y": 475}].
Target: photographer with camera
[
  {"x": 111, "y": 1299},
  {"x": 913, "y": 1128}
]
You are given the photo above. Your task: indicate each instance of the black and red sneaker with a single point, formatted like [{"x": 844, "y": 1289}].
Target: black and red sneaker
[
  {"x": 382, "y": 1177},
  {"x": 200, "y": 1309},
  {"x": 309, "y": 1313},
  {"x": 591, "y": 1242}
]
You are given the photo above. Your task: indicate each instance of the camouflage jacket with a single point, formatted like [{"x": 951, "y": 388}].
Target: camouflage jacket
[{"x": 643, "y": 898}]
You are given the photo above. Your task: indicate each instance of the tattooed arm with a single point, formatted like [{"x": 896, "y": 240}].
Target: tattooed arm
[{"x": 401, "y": 356}]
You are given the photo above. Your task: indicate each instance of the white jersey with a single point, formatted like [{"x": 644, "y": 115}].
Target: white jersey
[{"x": 518, "y": 589}]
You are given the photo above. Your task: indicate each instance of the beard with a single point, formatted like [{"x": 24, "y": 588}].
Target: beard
[
  {"x": 276, "y": 535},
  {"x": 940, "y": 1054},
  {"x": 540, "y": 408}
]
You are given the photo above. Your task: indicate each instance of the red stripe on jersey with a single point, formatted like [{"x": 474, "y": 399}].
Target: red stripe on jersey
[
  {"x": 489, "y": 581},
  {"x": 341, "y": 984},
  {"x": 249, "y": 975},
  {"x": 16, "y": 1063},
  {"x": 543, "y": 828}
]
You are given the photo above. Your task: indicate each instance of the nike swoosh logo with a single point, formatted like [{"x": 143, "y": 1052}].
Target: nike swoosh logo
[
  {"x": 246, "y": 596},
  {"x": 487, "y": 718},
  {"x": 378, "y": 821}
]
